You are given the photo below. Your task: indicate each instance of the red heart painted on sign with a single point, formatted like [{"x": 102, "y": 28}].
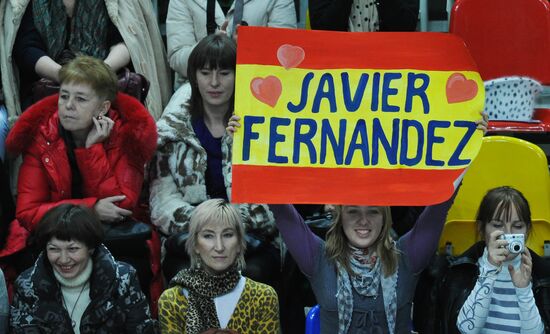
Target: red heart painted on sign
[
  {"x": 460, "y": 89},
  {"x": 290, "y": 56},
  {"x": 267, "y": 90}
]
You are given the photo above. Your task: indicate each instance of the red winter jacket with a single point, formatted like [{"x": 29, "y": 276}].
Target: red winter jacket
[{"x": 114, "y": 167}]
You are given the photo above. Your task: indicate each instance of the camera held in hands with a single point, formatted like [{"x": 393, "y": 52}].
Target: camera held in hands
[{"x": 516, "y": 242}]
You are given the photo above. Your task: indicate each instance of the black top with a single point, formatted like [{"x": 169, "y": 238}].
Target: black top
[
  {"x": 394, "y": 15},
  {"x": 29, "y": 47}
]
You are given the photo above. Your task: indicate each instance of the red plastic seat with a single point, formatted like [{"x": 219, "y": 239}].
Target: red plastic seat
[{"x": 507, "y": 38}]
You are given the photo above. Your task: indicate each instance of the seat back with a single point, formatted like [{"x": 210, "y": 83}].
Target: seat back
[
  {"x": 502, "y": 161},
  {"x": 505, "y": 37},
  {"x": 313, "y": 323}
]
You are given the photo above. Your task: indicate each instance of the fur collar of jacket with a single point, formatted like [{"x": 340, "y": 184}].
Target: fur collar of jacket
[
  {"x": 136, "y": 133},
  {"x": 175, "y": 125},
  {"x": 113, "y": 292},
  {"x": 102, "y": 282}
]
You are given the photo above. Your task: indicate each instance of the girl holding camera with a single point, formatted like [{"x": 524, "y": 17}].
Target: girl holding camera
[{"x": 506, "y": 291}]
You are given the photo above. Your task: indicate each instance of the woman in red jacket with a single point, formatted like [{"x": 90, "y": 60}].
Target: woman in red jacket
[{"x": 86, "y": 146}]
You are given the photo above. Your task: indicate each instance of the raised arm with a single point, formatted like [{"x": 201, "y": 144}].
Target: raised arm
[
  {"x": 420, "y": 243},
  {"x": 303, "y": 244}
]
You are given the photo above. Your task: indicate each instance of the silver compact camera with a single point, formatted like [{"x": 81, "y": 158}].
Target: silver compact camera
[{"x": 516, "y": 242}]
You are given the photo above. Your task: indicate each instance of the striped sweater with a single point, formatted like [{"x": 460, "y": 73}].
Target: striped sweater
[{"x": 496, "y": 306}]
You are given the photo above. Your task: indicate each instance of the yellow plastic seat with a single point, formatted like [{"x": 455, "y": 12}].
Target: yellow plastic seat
[{"x": 502, "y": 161}]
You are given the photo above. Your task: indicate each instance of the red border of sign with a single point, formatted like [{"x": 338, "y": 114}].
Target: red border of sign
[
  {"x": 419, "y": 186},
  {"x": 416, "y": 51}
]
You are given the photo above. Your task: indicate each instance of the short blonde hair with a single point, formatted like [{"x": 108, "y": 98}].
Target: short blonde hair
[
  {"x": 91, "y": 71},
  {"x": 215, "y": 211}
]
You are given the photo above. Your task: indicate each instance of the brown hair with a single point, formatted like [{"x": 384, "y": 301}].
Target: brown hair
[
  {"x": 215, "y": 51},
  {"x": 337, "y": 244},
  {"x": 69, "y": 222},
  {"x": 91, "y": 71},
  {"x": 500, "y": 201},
  {"x": 215, "y": 211}
]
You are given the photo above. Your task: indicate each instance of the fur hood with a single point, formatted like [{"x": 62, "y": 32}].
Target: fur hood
[
  {"x": 136, "y": 132},
  {"x": 175, "y": 123}
]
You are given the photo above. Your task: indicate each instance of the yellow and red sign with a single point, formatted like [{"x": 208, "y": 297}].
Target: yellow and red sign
[{"x": 353, "y": 118}]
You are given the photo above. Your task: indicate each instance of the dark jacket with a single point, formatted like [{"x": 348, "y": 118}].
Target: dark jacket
[
  {"x": 460, "y": 279},
  {"x": 117, "y": 303},
  {"x": 394, "y": 15}
]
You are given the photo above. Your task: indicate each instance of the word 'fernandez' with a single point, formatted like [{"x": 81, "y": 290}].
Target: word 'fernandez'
[{"x": 366, "y": 139}]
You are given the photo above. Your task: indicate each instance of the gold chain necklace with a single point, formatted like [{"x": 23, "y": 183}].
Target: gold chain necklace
[{"x": 73, "y": 323}]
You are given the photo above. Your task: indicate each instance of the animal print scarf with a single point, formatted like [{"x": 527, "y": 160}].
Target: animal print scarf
[
  {"x": 365, "y": 280},
  {"x": 86, "y": 32},
  {"x": 203, "y": 288}
]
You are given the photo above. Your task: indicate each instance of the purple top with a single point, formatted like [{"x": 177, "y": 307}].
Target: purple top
[{"x": 304, "y": 245}]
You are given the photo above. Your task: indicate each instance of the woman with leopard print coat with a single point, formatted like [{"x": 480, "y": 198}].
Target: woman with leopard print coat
[
  {"x": 193, "y": 160},
  {"x": 213, "y": 293}
]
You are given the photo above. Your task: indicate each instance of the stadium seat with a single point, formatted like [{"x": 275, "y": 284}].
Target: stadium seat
[
  {"x": 502, "y": 161},
  {"x": 507, "y": 38},
  {"x": 312, "y": 321}
]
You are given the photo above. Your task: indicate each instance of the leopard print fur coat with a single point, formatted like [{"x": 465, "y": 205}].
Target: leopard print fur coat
[
  {"x": 178, "y": 170},
  {"x": 257, "y": 311}
]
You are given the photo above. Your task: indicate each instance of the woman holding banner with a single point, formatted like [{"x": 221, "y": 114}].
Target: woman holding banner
[
  {"x": 372, "y": 276},
  {"x": 193, "y": 161}
]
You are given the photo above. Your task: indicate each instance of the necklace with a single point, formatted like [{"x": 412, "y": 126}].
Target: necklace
[{"x": 73, "y": 323}]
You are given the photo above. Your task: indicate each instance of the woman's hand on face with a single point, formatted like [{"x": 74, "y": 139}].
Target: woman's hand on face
[
  {"x": 496, "y": 248},
  {"x": 109, "y": 212},
  {"x": 233, "y": 125},
  {"x": 100, "y": 130},
  {"x": 483, "y": 123},
  {"x": 522, "y": 276}
]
